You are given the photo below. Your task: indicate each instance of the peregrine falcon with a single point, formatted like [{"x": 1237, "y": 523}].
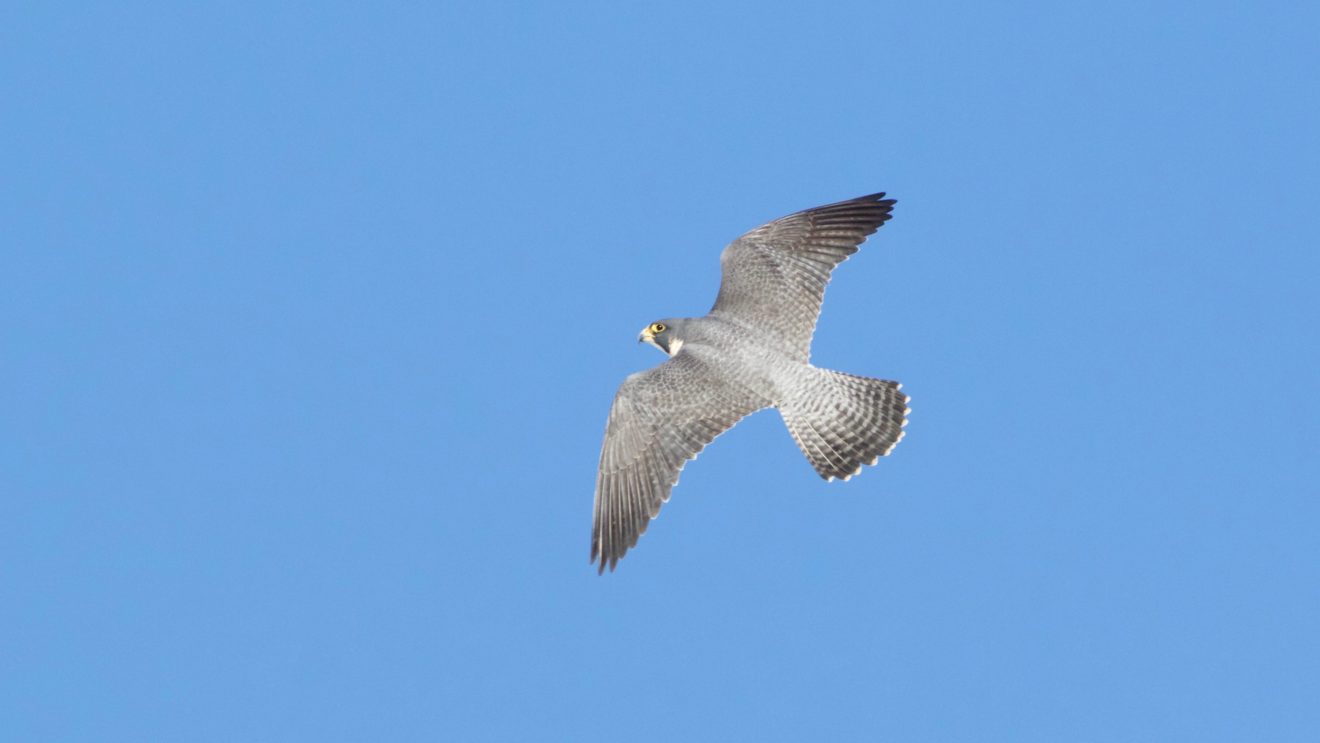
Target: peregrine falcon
[{"x": 751, "y": 351}]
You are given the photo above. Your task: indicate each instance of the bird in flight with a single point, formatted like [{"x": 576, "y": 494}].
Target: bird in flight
[{"x": 751, "y": 351}]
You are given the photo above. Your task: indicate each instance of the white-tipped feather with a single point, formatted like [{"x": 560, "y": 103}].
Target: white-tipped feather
[{"x": 843, "y": 422}]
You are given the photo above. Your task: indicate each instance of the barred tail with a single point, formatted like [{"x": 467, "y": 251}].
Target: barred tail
[{"x": 842, "y": 422}]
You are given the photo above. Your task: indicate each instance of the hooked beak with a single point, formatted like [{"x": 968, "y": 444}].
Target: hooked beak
[{"x": 647, "y": 336}]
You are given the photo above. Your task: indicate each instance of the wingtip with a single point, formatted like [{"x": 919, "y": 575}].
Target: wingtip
[
  {"x": 600, "y": 560},
  {"x": 877, "y": 198}
]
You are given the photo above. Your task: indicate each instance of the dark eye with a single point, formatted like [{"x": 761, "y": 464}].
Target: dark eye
[{"x": 658, "y": 328}]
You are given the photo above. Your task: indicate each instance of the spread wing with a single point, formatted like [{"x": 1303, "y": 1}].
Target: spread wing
[
  {"x": 775, "y": 275},
  {"x": 660, "y": 419}
]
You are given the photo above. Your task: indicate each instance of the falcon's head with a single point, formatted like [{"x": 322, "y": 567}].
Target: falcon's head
[{"x": 664, "y": 335}]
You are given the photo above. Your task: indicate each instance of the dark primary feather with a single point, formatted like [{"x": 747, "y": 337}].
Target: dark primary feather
[{"x": 775, "y": 275}]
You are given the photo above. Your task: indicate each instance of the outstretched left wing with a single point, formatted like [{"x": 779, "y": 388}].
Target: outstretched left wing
[{"x": 775, "y": 275}]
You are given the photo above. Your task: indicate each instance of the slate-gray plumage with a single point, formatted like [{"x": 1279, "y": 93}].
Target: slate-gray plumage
[{"x": 751, "y": 351}]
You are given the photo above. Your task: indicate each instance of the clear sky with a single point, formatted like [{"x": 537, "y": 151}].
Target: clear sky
[{"x": 312, "y": 313}]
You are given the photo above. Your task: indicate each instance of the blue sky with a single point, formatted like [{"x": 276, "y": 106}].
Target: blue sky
[{"x": 312, "y": 315}]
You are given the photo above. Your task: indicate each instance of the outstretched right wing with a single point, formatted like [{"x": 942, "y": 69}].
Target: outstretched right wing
[{"x": 660, "y": 419}]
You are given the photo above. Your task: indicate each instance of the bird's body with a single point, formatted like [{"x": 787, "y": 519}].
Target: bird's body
[
  {"x": 742, "y": 353},
  {"x": 750, "y": 352}
]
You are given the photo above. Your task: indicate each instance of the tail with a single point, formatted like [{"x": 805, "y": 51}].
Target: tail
[{"x": 842, "y": 422}]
